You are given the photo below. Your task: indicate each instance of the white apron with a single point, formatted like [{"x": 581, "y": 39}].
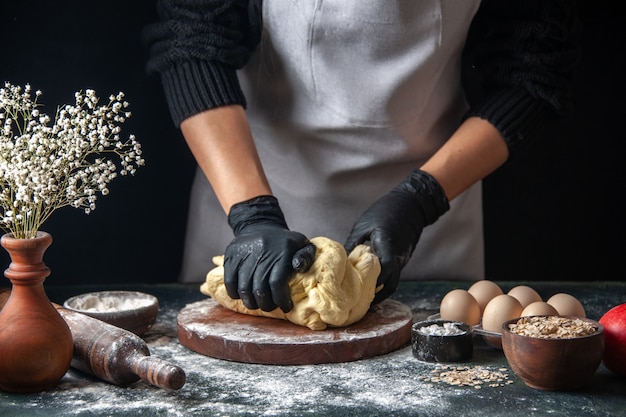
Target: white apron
[{"x": 345, "y": 98}]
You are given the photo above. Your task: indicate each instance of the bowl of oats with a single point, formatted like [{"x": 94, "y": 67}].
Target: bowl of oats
[{"x": 555, "y": 353}]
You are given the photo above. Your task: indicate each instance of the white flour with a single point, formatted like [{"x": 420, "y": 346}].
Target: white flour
[
  {"x": 447, "y": 329},
  {"x": 106, "y": 301}
]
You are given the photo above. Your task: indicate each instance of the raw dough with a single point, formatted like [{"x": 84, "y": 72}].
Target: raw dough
[{"x": 336, "y": 291}]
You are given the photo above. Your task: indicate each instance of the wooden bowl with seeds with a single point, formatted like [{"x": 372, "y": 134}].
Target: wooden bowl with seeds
[{"x": 556, "y": 353}]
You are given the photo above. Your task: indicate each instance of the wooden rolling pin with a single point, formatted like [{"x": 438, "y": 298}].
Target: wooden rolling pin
[{"x": 114, "y": 354}]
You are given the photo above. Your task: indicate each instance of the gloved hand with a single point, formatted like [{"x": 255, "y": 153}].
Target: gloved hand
[
  {"x": 264, "y": 255},
  {"x": 394, "y": 224}
]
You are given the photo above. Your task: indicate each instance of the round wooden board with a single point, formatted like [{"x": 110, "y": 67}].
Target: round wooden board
[{"x": 210, "y": 329}]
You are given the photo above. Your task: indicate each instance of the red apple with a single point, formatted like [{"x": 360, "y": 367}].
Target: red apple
[{"x": 614, "y": 322}]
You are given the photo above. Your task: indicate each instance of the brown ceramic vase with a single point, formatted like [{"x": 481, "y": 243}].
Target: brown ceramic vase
[{"x": 35, "y": 342}]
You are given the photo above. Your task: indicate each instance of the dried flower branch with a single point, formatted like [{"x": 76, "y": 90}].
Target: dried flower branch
[{"x": 44, "y": 168}]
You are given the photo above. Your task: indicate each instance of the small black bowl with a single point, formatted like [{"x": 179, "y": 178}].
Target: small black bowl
[{"x": 442, "y": 348}]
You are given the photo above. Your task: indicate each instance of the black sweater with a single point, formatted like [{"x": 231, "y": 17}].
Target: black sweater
[{"x": 523, "y": 51}]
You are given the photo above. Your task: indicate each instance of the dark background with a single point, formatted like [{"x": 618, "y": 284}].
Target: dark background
[{"x": 557, "y": 214}]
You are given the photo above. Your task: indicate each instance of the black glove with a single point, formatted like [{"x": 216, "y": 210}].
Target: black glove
[
  {"x": 264, "y": 255},
  {"x": 394, "y": 223}
]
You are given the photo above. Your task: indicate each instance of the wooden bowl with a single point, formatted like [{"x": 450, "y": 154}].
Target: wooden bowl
[
  {"x": 130, "y": 310},
  {"x": 554, "y": 364}
]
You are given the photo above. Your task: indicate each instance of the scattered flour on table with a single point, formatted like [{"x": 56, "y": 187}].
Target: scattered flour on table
[{"x": 373, "y": 387}]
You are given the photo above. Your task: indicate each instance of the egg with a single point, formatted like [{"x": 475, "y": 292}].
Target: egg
[
  {"x": 539, "y": 308},
  {"x": 567, "y": 305},
  {"x": 483, "y": 291},
  {"x": 524, "y": 294},
  {"x": 501, "y": 308},
  {"x": 460, "y": 305}
]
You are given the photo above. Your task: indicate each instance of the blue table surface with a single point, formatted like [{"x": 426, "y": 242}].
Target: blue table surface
[{"x": 395, "y": 384}]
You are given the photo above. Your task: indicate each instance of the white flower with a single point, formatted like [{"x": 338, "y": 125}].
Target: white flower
[{"x": 43, "y": 167}]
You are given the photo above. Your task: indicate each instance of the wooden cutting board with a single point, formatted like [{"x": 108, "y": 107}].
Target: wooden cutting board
[{"x": 210, "y": 329}]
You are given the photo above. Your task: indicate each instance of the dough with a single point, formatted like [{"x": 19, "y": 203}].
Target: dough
[{"x": 336, "y": 291}]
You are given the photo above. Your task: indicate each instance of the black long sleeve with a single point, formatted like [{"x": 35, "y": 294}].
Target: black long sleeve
[
  {"x": 526, "y": 54},
  {"x": 197, "y": 47}
]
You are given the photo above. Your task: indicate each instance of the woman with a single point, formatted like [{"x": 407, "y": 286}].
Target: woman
[{"x": 353, "y": 116}]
